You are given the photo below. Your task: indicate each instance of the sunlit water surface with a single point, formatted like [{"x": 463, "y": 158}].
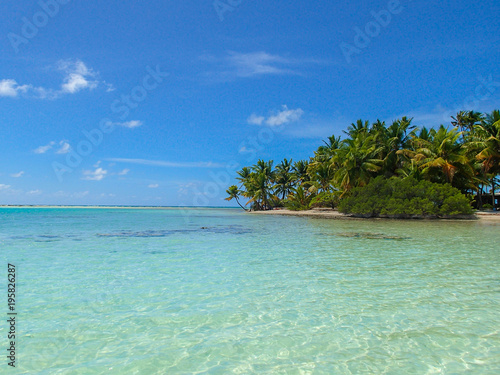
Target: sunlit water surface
[{"x": 216, "y": 291}]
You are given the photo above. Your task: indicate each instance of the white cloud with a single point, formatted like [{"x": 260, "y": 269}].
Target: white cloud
[
  {"x": 4, "y": 187},
  {"x": 153, "y": 186},
  {"x": 128, "y": 124},
  {"x": 34, "y": 192},
  {"x": 256, "y": 120},
  {"x": 278, "y": 118},
  {"x": 96, "y": 175},
  {"x": 258, "y": 63},
  {"x": 9, "y": 87},
  {"x": 285, "y": 116},
  {"x": 124, "y": 172},
  {"x": 255, "y": 64},
  {"x": 161, "y": 163},
  {"x": 17, "y": 175},
  {"x": 78, "y": 76},
  {"x": 65, "y": 148},
  {"x": 109, "y": 87},
  {"x": 44, "y": 149}
]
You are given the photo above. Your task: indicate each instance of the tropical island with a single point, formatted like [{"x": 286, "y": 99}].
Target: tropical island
[{"x": 380, "y": 170}]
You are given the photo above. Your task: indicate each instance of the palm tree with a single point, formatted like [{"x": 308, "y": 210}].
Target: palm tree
[
  {"x": 330, "y": 146},
  {"x": 299, "y": 199},
  {"x": 443, "y": 157},
  {"x": 321, "y": 174},
  {"x": 465, "y": 121},
  {"x": 358, "y": 162},
  {"x": 488, "y": 134},
  {"x": 234, "y": 193},
  {"x": 397, "y": 137},
  {"x": 283, "y": 178},
  {"x": 265, "y": 167},
  {"x": 259, "y": 191},
  {"x": 358, "y": 128},
  {"x": 244, "y": 175},
  {"x": 300, "y": 171}
]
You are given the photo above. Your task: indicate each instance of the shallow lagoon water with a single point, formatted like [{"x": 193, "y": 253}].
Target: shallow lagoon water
[{"x": 216, "y": 291}]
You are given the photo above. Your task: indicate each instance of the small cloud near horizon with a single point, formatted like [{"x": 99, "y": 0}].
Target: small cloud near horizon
[
  {"x": 255, "y": 64},
  {"x": 44, "y": 149},
  {"x": 284, "y": 116},
  {"x": 65, "y": 148},
  {"x": 17, "y": 175},
  {"x": 127, "y": 124},
  {"x": 96, "y": 175},
  {"x": 77, "y": 77}
]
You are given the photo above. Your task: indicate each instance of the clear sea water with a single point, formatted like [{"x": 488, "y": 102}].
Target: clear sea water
[{"x": 218, "y": 291}]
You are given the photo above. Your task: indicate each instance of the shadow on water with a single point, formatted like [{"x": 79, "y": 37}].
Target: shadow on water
[
  {"x": 231, "y": 229},
  {"x": 367, "y": 235}
]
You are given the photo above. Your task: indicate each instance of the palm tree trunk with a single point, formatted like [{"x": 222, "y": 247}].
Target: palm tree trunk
[
  {"x": 237, "y": 201},
  {"x": 493, "y": 193}
]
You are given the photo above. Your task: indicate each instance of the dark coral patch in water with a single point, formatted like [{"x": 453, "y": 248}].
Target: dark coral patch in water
[
  {"x": 231, "y": 229},
  {"x": 372, "y": 236}
]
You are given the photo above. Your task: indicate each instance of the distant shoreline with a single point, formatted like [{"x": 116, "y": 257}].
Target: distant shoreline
[
  {"x": 493, "y": 217},
  {"x": 490, "y": 217}
]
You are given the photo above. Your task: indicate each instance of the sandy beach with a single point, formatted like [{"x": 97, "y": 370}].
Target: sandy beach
[{"x": 490, "y": 217}]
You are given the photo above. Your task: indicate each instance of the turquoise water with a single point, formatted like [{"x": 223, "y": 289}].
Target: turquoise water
[{"x": 124, "y": 291}]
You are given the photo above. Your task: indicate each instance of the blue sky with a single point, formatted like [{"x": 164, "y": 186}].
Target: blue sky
[{"x": 158, "y": 102}]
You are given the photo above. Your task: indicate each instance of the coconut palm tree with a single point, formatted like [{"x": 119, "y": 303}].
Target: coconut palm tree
[
  {"x": 283, "y": 178},
  {"x": 259, "y": 191},
  {"x": 465, "y": 121},
  {"x": 234, "y": 193},
  {"x": 397, "y": 137},
  {"x": 299, "y": 199},
  {"x": 358, "y": 161},
  {"x": 443, "y": 157},
  {"x": 330, "y": 146},
  {"x": 358, "y": 128},
  {"x": 244, "y": 174},
  {"x": 321, "y": 175},
  {"x": 300, "y": 171},
  {"x": 488, "y": 143}
]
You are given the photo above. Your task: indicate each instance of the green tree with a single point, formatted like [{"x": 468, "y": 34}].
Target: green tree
[
  {"x": 283, "y": 178},
  {"x": 234, "y": 193}
]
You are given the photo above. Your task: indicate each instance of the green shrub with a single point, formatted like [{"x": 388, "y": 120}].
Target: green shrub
[
  {"x": 405, "y": 198},
  {"x": 299, "y": 200},
  {"x": 324, "y": 200}
]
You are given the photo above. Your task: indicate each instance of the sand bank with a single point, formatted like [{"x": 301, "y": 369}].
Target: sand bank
[{"x": 491, "y": 217}]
